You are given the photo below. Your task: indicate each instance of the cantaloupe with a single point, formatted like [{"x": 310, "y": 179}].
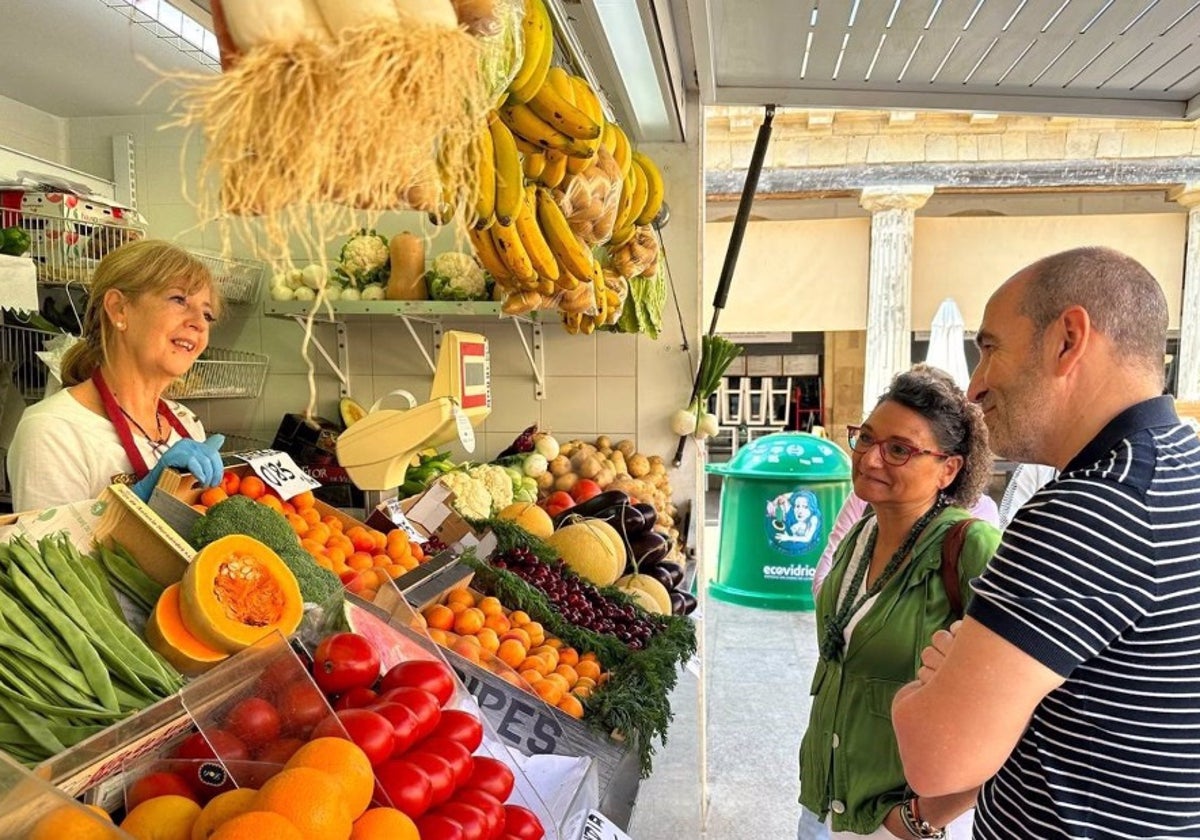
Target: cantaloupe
[
  {"x": 618, "y": 544},
  {"x": 644, "y": 583},
  {"x": 587, "y": 550},
  {"x": 643, "y": 599},
  {"x": 530, "y": 517}
]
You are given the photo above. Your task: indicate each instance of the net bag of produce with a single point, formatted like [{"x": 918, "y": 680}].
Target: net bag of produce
[{"x": 589, "y": 199}]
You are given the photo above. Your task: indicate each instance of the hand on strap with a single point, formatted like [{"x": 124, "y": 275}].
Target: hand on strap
[{"x": 201, "y": 459}]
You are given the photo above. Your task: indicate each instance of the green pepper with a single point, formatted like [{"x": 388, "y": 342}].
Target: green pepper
[{"x": 14, "y": 241}]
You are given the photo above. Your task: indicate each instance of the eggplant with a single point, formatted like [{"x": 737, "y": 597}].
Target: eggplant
[
  {"x": 661, "y": 573},
  {"x": 648, "y": 514},
  {"x": 649, "y": 548},
  {"x": 595, "y": 505},
  {"x": 626, "y": 519},
  {"x": 677, "y": 602},
  {"x": 689, "y": 601},
  {"x": 674, "y": 572}
]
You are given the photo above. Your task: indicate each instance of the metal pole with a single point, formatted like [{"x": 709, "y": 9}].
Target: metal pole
[{"x": 735, "y": 245}]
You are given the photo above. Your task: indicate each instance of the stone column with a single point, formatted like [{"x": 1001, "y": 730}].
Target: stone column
[
  {"x": 889, "y": 292},
  {"x": 1188, "y": 362}
]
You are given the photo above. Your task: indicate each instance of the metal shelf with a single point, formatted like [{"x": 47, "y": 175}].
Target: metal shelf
[{"x": 410, "y": 312}]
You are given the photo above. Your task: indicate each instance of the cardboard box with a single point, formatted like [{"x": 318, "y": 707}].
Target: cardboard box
[
  {"x": 15, "y": 204},
  {"x": 430, "y": 515}
]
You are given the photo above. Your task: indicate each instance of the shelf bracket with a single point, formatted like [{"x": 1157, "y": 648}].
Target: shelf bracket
[
  {"x": 340, "y": 366},
  {"x": 536, "y": 356},
  {"x": 417, "y": 341}
]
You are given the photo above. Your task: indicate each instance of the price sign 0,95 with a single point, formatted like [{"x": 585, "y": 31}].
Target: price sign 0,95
[{"x": 279, "y": 472}]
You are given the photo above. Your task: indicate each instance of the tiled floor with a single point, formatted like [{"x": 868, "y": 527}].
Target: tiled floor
[{"x": 757, "y": 667}]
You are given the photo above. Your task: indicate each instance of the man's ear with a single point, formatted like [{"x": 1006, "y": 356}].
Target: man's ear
[{"x": 1069, "y": 337}]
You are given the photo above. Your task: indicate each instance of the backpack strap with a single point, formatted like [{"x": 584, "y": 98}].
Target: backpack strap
[{"x": 952, "y": 545}]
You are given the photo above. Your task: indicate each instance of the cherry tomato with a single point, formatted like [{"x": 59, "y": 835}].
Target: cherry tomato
[
  {"x": 473, "y": 821},
  {"x": 439, "y": 771},
  {"x": 460, "y": 726},
  {"x": 158, "y": 784},
  {"x": 356, "y": 698},
  {"x": 406, "y": 786},
  {"x": 439, "y": 827},
  {"x": 493, "y": 809},
  {"x": 460, "y": 758},
  {"x": 491, "y": 776},
  {"x": 430, "y": 674},
  {"x": 278, "y": 751},
  {"x": 585, "y": 489},
  {"x": 522, "y": 823},
  {"x": 426, "y": 706},
  {"x": 301, "y": 707},
  {"x": 370, "y": 731},
  {"x": 254, "y": 721},
  {"x": 344, "y": 661},
  {"x": 217, "y": 743},
  {"x": 404, "y": 725}
]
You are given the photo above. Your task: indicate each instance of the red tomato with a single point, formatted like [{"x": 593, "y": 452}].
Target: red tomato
[
  {"x": 473, "y": 821},
  {"x": 370, "y": 731},
  {"x": 439, "y": 827},
  {"x": 278, "y": 751},
  {"x": 460, "y": 758},
  {"x": 585, "y": 489},
  {"x": 522, "y": 823},
  {"x": 460, "y": 726},
  {"x": 157, "y": 784},
  {"x": 426, "y": 706},
  {"x": 254, "y": 721},
  {"x": 344, "y": 661},
  {"x": 406, "y": 787},
  {"x": 356, "y": 698},
  {"x": 558, "y": 501},
  {"x": 491, "y": 776},
  {"x": 404, "y": 726},
  {"x": 493, "y": 809},
  {"x": 301, "y": 707},
  {"x": 430, "y": 674},
  {"x": 439, "y": 771},
  {"x": 215, "y": 744}
]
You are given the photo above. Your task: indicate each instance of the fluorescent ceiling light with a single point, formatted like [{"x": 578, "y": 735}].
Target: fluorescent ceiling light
[
  {"x": 173, "y": 25},
  {"x": 623, "y": 28}
]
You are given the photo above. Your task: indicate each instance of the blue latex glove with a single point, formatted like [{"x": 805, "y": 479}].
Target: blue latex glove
[{"x": 201, "y": 459}]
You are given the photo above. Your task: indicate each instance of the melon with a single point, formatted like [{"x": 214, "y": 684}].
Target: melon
[
  {"x": 588, "y": 551},
  {"x": 614, "y": 537},
  {"x": 351, "y": 411},
  {"x": 643, "y": 599},
  {"x": 529, "y": 517},
  {"x": 644, "y": 583}
]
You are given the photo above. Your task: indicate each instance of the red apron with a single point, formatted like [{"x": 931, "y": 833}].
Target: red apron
[{"x": 121, "y": 423}]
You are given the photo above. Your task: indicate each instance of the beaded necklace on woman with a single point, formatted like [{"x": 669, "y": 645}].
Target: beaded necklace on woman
[{"x": 835, "y": 624}]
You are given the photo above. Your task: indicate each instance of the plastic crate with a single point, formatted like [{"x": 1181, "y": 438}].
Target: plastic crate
[{"x": 222, "y": 374}]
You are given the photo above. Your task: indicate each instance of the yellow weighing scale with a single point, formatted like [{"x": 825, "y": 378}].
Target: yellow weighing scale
[{"x": 377, "y": 450}]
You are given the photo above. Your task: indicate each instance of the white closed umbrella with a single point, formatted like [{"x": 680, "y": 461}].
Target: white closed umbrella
[{"x": 946, "y": 343}]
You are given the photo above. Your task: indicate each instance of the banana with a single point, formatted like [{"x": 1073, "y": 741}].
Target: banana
[
  {"x": 597, "y": 280},
  {"x": 561, "y": 112},
  {"x": 623, "y": 223},
  {"x": 623, "y": 152},
  {"x": 535, "y": 243},
  {"x": 570, "y": 252},
  {"x": 509, "y": 176},
  {"x": 610, "y": 138},
  {"x": 525, "y": 92},
  {"x": 534, "y": 165},
  {"x": 513, "y": 253},
  {"x": 589, "y": 103},
  {"x": 521, "y": 303},
  {"x": 654, "y": 188},
  {"x": 534, "y": 37},
  {"x": 537, "y": 131},
  {"x": 555, "y": 171},
  {"x": 572, "y": 321},
  {"x": 567, "y": 281},
  {"x": 641, "y": 188},
  {"x": 587, "y": 325},
  {"x": 546, "y": 288},
  {"x": 560, "y": 80},
  {"x": 485, "y": 182},
  {"x": 486, "y": 251}
]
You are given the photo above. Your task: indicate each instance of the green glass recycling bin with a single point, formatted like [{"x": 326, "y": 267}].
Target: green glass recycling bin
[{"x": 779, "y": 498}]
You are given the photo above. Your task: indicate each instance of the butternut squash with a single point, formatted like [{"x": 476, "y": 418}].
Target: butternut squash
[
  {"x": 236, "y": 591},
  {"x": 407, "y": 278},
  {"x": 170, "y": 638}
]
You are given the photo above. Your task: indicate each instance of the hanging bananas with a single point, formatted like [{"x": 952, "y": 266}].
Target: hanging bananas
[
  {"x": 560, "y": 111},
  {"x": 535, "y": 243},
  {"x": 539, "y": 49},
  {"x": 537, "y": 131},
  {"x": 489, "y": 257},
  {"x": 509, "y": 176},
  {"x": 571, "y": 254},
  {"x": 513, "y": 254},
  {"x": 485, "y": 196},
  {"x": 648, "y": 172}
]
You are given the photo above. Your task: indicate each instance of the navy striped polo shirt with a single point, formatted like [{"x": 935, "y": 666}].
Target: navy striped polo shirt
[{"x": 1098, "y": 578}]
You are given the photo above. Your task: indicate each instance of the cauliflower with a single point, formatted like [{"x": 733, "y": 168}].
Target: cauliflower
[
  {"x": 364, "y": 259},
  {"x": 471, "y": 498},
  {"x": 455, "y": 276},
  {"x": 497, "y": 482}
]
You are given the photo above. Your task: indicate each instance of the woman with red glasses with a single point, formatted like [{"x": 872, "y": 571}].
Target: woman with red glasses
[{"x": 920, "y": 461}]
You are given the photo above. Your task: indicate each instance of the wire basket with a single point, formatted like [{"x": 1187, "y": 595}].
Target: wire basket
[
  {"x": 222, "y": 374},
  {"x": 68, "y": 250},
  {"x": 20, "y": 345},
  {"x": 239, "y": 280}
]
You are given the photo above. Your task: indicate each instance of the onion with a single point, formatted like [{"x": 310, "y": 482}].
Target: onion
[{"x": 683, "y": 422}]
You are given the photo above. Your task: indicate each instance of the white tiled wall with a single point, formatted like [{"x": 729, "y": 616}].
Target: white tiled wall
[{"x": 33, "y": 132}]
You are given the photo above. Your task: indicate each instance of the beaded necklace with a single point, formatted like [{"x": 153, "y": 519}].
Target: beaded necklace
[
  {"x": 835, "y": 624},
  {"x": 157, "y": 444}
]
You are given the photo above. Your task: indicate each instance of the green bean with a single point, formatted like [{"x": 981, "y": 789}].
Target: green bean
[
  {"x": 97, "y": 581},
  {"x": 69, "y": 734},
  {"x": 35, "y": 728},
  {"x": 30, "y": 628},
  {"x": 14, "y": 692},
  {"x": 128, "y": 576},
  {"x": 55, "y": 678}
]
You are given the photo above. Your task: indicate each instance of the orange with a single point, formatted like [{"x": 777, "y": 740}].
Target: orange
[
  {"x": 221, "y": 809},
  {"x": 162, "y": 818},
  {"x": 304, "y": 501},
  {"x": 589, "y": 668},
  {"x": 397, "y": 535},
  {"x": 344, "y": 761},
  {"x": 312, "y": 800},
  {"x": 460, "y": 596},
  {"x": 439, "y": 616},
  {"x": 380, "y": 560},
  {"x": 498, "y": 622},
  {"x": 549, "y": 691},
  {"x": 359, "y": 561},
  {"x": 333, "y": 522},
  {"x": 298, "y": 524},
  {"x": 536, "y": 634},
  {"x": 571, "y": 705},
  {"x": 379, "y": 537},
  {"x": 397, "y": 550},
  {"x": 511, "y": 652},
  {"x": 488, "y": 639},
  {"x": 469, "y": 621},
  {"x": 213, "y": 495},
  {"x": 361, "y": 538},
  {"x": 384, "y": 824},
  {"x": 69, "y": 821},
  {"x": 491, "y": 605},
  {"x": 318, "y": 532},
  {"x": 519, "y": 618},
  {"x": 270, "y": 501},
  {"x": 258, "y": 825}
]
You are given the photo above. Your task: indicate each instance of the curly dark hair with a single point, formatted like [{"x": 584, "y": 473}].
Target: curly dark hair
[{"x": 957, "y": 425}]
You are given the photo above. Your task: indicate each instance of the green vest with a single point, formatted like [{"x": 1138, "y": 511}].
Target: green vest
[{"x": 849, "y": 762}]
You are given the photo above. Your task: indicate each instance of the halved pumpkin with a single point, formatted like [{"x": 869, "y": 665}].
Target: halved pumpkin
[
  {"x": 166, "y": 634},
  {"x": 236, "y": 591}
]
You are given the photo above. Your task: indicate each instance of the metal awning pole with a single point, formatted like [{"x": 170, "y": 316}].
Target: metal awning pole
[{"x": 735, "y": 245}]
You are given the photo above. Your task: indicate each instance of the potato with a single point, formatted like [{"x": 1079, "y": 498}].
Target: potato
[
  {"x": 639, "y": 465},
  {"x": 561, "y": 465},
  {"x": 590, "y": 467},
  {"x": 618, "y": 462},
  {"x": 604, "y": 442},
  {"x": 605, "y": 477},
  {"x": 545, "y": 482},
  {"x": 565, "y": 482}
]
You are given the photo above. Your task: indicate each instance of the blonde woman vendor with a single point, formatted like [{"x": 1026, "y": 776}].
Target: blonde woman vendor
[{"x": 149, "y": 310}]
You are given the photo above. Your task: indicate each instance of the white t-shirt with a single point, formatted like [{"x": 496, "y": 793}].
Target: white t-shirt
[{"x": 63, "y": 452}]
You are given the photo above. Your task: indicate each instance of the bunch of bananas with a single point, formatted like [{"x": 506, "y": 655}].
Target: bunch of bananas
[
  {"x": 609, "y": 290},
  {"x": 641, "y": 198}
]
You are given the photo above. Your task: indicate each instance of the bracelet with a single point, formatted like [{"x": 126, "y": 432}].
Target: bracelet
[{"x": 911, "y": 819}]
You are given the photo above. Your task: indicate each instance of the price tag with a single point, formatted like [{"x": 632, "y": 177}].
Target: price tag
[
  {"x": 599, "y": 827},
  {"x": 466, "y": 432},
  {"x": 279, "y": 472},
  {"x": 394, "y": 513}
]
